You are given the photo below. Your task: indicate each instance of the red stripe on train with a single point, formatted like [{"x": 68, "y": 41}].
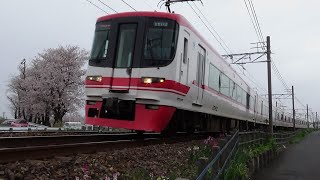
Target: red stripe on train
[{"x": 136, "y": 82}]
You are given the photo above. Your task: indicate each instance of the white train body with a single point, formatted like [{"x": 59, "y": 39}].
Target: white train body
[{"x": 197, "y": 79}]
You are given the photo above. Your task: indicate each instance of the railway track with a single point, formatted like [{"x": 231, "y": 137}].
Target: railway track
[
  {"x": 62, "y": 132},
  {"x": 24, "y": 141},
  {"x": 39, "y": 147}
]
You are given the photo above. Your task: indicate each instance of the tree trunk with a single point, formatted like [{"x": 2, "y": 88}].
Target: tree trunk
[
  {"x": 46, "y": 120},
  {"x": 58, "y": 120}
]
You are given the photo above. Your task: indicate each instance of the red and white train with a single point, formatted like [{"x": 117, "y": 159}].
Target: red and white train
[{"x": 152, "y": 71}]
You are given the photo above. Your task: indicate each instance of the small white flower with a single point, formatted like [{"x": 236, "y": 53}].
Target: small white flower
[{"x": 196, "y": 148}]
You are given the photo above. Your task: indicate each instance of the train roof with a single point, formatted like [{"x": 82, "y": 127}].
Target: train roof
[{"x": 177, "y": 17}]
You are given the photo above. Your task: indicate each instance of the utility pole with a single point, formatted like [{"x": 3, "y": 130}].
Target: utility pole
[
  {"x": 308, "y": 116},
  {"x": 317, "y": 123},
  {"x": 269, "y": 85},
  {"x": 293, "y": 111},
  {"x": 23, "y": 62}
]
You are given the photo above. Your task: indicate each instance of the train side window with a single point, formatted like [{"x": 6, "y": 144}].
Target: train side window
[
  {"x": 224, "y": 84},
  {"x": 233, "y": 92},
  {"x": 248, "y": 101},
  {"x": 239, "y": 94},
  {"x": 185, "y": 51},
  {"x": 261, "y": 107},
  {"x": 213, "y": 79},
  {"x": 252, "y": 102},
  {"x": 244, "y": 97}
]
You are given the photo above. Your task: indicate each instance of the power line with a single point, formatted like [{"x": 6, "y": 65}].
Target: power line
[
  {"x": 208, "y": 28},
  {"x": 252, "y": 79},
  {"x": 147, "y": 3},
  {"x": 275, "y": 69},
  {"x": 128, "y": 5},
  {"x": 212, "y": 27},
  {"x": 107, "y": 6},
  {"x": 256, "y": 19},
  {"x": 97, "y": 6},
  {"x": 253, "y": 22}
]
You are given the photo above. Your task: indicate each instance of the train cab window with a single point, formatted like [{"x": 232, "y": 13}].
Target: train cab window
[
  {"x": 185, "y": 51},
  {"x": 125, "y": 43},
  {"x": 101, "y": 42},
  {"x": 213, "y": 80},
  {"x": 160, "y": 42}
]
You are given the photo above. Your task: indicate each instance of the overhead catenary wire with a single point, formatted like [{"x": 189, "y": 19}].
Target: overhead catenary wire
[
  {"x": 223, "y": 42},
  {"x": 129, "y": 5},
  {"x": 148, "y": 4},
  {"x": 208, "y": 28},
  {"x": 108, "y": 6},
  {"x": 253, "y": 80},
  {"x": 225, "y": 46},
  {"x": 258, "y": 30},
  {"x": 253, "y": 23},
  {"x": 257, "y": 21},
  {"x": 97, "y": 6},
  {"x": 254, "y": 19}
]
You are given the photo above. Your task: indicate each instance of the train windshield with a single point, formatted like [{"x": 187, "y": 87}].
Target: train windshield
[
  {"x": 134, "y": 43},
  {"x": 160, "y": 42},
  {"x": 101, "y": 41}
]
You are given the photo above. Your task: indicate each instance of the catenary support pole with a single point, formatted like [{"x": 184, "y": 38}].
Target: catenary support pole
[
  {"x": 293, "y": 111},
  {"x": 308, "y": 116},
  {"x": 269, "y": 85}
]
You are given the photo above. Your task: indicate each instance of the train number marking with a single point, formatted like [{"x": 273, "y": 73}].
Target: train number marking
[{"x": 214, "y": 108}]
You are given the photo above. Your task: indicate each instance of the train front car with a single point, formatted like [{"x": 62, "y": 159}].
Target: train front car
[{"x": 130, "y": 79}]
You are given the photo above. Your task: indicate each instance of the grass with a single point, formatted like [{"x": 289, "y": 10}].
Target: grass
[
  {"x": 300, "y": 135},
  {"x": 238, "y": 168}
]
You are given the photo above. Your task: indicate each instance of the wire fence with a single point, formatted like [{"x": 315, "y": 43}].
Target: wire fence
[{"x": 214, "y": 168}]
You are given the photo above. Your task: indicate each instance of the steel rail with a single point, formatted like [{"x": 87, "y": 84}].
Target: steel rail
[
  {"x": 25, "y": 141},
  {"x": 11, "y": 154}
]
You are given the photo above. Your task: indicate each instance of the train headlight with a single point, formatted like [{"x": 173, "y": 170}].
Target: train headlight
[
  {"x": 149, "y": 80},
  {"x": 94, "y": 78}
]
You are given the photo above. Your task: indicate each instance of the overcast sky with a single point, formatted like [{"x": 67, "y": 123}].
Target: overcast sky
[{"x": 28, "y": 27}]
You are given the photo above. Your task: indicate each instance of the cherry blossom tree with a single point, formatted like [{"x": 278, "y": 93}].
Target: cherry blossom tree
[{"x": 51, "y": 85}]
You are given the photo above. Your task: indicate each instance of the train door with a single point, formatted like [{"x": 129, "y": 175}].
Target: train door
[
  {"x": 127, "y": 43},
  {"x": 184, "y": 59},
  {"x": 200, "y": 73}
]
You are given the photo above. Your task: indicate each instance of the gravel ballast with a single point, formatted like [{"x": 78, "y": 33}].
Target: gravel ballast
[{"x": 149, "y": 162}]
